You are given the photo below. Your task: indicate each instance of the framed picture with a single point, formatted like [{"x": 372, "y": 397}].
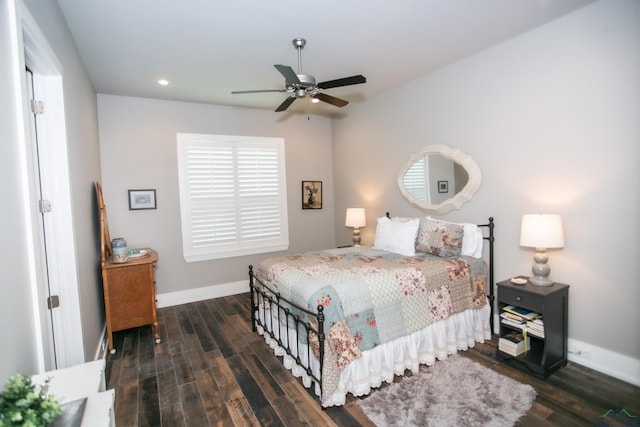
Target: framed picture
[
  {"x": 311, "y": 194},
  {"x": 142, "y": 199},
  {"x": 443, "y": 186}
]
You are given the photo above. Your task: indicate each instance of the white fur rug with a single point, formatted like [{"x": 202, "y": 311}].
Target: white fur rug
[{"x": 452, "y": 392}]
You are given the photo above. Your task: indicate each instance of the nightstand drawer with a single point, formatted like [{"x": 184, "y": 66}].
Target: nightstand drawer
[{"x": 522, "y": 299}]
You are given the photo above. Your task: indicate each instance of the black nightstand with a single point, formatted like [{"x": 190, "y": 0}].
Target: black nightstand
[{"x": 545, "y": 354}]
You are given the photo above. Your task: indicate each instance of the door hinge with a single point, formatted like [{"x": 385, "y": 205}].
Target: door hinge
[
  {"x": 44, "y": 206},
  {"x": 53, "y": 301},
  {"x": 37, "y": 107}
]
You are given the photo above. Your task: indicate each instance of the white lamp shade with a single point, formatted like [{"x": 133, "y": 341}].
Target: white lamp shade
[
  {"x": 541, "y": 231},
  {"x": 356, "y": 217}
]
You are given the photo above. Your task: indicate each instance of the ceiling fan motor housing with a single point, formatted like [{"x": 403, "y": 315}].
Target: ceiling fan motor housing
[{"x": 307, "y": 85}]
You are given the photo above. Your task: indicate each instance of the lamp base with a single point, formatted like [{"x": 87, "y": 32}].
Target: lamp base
[
  {"x": 356, "y": 236},
  {"x": 540, "y": 281},
  {"x": 541, "y": 269}
]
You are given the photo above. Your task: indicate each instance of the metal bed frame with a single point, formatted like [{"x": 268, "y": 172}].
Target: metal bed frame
[{"x": 264, "y": 300}]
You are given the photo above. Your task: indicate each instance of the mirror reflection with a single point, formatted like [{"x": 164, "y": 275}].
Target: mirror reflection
[
  {"x": 433, "y": 179},
  {"x": 439, "y": 178}
]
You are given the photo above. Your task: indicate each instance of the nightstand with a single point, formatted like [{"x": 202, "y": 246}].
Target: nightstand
[{"x": 547, "y": 351}]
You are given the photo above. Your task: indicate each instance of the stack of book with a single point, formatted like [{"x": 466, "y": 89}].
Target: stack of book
[
  {"x": 529, "y": 322},
  {"x": 521, "y": 312},
  {"x": 513, "y": 343},
  {"x": 535, "y": 327},
  {"x": 513, "y": 320}
]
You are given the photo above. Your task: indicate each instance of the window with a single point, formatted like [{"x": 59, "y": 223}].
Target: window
[{"x": 233, "y": 198}]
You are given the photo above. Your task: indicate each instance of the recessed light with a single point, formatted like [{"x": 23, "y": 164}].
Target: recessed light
[{"x": 163, "y": 82}]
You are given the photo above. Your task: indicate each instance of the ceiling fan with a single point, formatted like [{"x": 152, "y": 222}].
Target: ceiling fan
[{"x": 302, "y": 85}]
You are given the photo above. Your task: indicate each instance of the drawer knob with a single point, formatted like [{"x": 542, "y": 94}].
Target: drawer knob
[{"x": 518, "y": 298}]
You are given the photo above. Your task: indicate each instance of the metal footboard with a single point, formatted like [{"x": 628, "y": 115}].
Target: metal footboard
[{"x": 265, "y": 302}]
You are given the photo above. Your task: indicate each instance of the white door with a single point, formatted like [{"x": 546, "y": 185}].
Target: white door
[
  {"x": 47, "y": 298},
  {"x": 51, "y": 216}
]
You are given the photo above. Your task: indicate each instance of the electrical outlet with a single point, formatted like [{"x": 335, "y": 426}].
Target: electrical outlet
[{"x": 583, "y": 354}]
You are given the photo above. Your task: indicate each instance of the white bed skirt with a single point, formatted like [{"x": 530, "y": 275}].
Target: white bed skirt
[{"x": 380, "y": 364}]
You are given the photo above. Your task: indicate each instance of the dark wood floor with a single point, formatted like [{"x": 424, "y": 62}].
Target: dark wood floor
[{"x": 211, "y": 370}]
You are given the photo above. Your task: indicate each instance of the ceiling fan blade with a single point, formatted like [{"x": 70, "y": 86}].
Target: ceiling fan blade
[
  {"x": 331, "y": 99},
  {"x": 288, "y": 73},
  {"x": 353, "y": 80},
  {"x": 285, "y": 104},
  {"x": 258, "y": 91}
]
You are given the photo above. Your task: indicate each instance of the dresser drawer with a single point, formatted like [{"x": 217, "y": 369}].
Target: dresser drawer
[{"x": 521, "y": 299}]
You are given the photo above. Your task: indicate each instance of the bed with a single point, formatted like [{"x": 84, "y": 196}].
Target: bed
[{"x": 346, "y": 320}]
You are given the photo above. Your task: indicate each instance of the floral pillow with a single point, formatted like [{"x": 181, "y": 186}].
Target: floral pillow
[{"x": 440, "y": 238}]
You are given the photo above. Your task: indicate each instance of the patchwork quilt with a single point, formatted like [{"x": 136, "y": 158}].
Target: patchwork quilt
[{"x": 372, "y": 297}]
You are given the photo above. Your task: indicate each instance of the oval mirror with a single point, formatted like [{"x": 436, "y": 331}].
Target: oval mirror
[{"x": 439, "y": 179}]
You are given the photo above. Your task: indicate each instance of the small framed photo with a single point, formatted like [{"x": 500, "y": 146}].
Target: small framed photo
[
  {"x": 443, "y": 186},
  {"x": 311, "y": 194},
  {"x": 142, "y": 199}
]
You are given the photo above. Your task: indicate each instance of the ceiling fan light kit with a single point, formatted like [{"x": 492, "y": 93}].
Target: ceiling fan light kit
[{"x": 301, "y": 85}]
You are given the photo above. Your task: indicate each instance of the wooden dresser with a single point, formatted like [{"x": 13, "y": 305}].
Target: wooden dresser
[
  {"x": 129, "y": 287},
  {"x": 130, "y": 294}
]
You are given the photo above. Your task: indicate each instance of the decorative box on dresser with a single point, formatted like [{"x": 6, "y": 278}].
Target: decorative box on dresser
[
  {"x": 130, "y": 294},
  {"x": 546, "y": 354}
]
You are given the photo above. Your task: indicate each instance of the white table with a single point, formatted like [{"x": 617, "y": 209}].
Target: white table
[{"x": 85, "y": 380}]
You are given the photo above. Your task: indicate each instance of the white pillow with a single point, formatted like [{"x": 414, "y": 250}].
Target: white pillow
[
  {"x": 397, "y": 236},
  {"x": 472, "y": 241}
]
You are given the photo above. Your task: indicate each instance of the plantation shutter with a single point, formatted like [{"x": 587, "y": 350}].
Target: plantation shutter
[
  {"x": 232, "y": 196},
  {"x": 415, "y": 180}
]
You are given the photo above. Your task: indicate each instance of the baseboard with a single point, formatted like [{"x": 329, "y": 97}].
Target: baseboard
[
  {"x": 199, "y": 294},
  {"x": 614, "y": 364},
  {"x": 101, "y": 350}
]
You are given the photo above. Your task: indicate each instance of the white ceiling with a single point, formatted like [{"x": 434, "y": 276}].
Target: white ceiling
[{"x": 207, "y": 48}]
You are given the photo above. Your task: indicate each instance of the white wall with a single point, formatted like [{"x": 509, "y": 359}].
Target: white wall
[
  {"x": 15, "y": 296},
  {"x": 552, "y": 119},
  {"x": 139, "y": 151}
]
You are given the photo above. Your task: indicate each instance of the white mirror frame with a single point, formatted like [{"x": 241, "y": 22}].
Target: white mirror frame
[{"x": 464, "y": 160}]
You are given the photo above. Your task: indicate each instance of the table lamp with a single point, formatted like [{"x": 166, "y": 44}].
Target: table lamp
[
  {"x": 541, "y": 232},
  {"x": 356, "y": 218}
]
